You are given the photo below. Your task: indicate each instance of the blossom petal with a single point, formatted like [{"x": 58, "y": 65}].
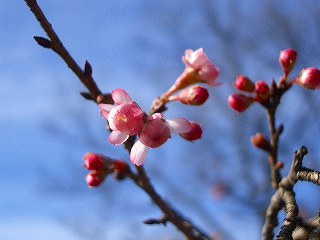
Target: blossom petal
[
  {"x": 179, "y": 125},
  {"x": 138, "y": 153},
  {"x": 117, "y": 138},
  {"x": 120, "y": 96},
  {"x": 105, "y": 109}
]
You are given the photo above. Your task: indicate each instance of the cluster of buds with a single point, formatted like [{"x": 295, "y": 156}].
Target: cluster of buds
[
  {"x": 260, "y": 92},
  {"x": 101, "y": 166},
  {"x": 256, "y": 92},
  {"x": 126, "y": 118}
]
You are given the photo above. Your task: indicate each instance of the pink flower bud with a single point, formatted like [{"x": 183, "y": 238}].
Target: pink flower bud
[
  {"x": 194, "y": 134},
  {"x": 261, "y": 88},
  {"x": 239, "y": 102},
  {"x": 195, "y": 95},
  {"x": 309, "y": 78},
  {"x": 287, "y": 59},
  {"x": 95, "y": 178},
  {"x": 243, "y": 83},
  {"x": 93, "y": 161}
]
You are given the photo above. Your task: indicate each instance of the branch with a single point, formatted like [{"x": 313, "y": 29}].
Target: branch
[
  {"x": 56, "y": 45},
  {"x": 85, "y": 76},
  {"x": 285, "y": 197}
]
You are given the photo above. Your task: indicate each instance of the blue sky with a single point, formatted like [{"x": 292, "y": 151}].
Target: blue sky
[{"x": 47, "y": 127}]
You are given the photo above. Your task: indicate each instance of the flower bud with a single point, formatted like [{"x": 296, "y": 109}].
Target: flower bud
[
  {"x": 261, "y": 142},
  {"x": 95, "y": 178},
  {"x": 239, "y": 102},
  {"x": 309, "y": 78},
  {"x": 93, "y": 161},
  {"x": 287, "y": 59},
  {"x": 261, "y": 88},
  {"x": 195, "y": 95},
  {"x": 243, "y": 83},
  {"x": 194, "y": 134}
]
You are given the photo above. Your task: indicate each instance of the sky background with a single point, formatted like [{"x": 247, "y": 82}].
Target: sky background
[{"x": 47, "y": 127}]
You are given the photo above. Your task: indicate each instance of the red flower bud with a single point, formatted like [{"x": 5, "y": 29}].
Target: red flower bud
[
  {"x": 260, "y": 141},
  {"x": 195, "y": 95},
  {"x": 287, "y": 59},
  {"x": 95, "y": 178},
  {"x": 194, "y": 134},
  {"x": 243, "y": 83},
  {"x": 239, "y": 102},
  {"x": 93, "y": 161},
  {"x": 309, "y": 78},
  {"x": 261, "y": 88}
]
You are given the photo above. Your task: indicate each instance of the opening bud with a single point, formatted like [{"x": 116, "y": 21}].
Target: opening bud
[
  {"x": 194, "y": 134},
  {"x": 260, "y": 141},
  {"x": 199, "y": 69},
  {"x": 195, "y": 95},
  {"x": 287, "y": 59},
  {"x": 309, "y": 78},
  {"x": 239, "y": 102},
  {"x": 243, "y": 83}
]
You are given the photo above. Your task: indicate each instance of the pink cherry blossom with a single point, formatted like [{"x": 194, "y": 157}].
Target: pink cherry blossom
[
  {"x": 198, "y": 61},
  {"x": 125, "y": 117},
  {"x": 199, "y": 69},
  {"x": 155, "y": 132}
]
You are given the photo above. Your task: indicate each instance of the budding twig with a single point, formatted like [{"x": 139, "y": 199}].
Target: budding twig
[{"x": 85, "y": 76}]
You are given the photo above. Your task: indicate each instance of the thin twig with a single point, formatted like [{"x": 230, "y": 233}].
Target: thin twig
[{"x": 57, "y": 47}]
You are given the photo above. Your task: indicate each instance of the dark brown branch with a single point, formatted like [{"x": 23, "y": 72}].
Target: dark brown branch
[
  {"x": 184, "y": 225},
  {"x": 56, "y": 45}
]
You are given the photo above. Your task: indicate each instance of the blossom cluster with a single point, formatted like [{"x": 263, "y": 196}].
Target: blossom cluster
[{"x": 126, "y": 118}]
